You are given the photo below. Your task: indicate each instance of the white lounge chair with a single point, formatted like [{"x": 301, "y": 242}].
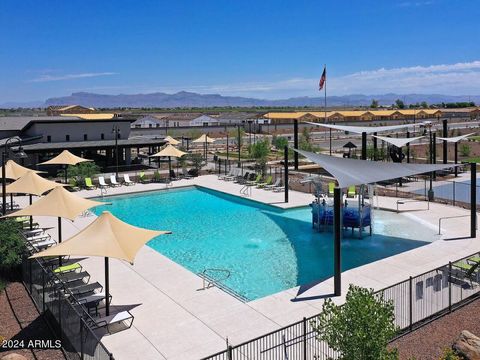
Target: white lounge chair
[
  {"x": 123, "y": 317},
  {"x": 40, "y": 245},
  {"x": 279, "y": 188},
  {"x": 101, "y": 182},
  {"x": 127, "y": 181},
  {"x": 233, "y": 175},
  {"x": 114, "y": 182},
  {"x": 274, "y": 185},
  {"x": 37, "y": 238}
]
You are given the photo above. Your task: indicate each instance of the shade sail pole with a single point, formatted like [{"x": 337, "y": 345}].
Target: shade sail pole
[
  {"x": 456, "y": 158},
  {"x": 473, "y": 200},
  {"x": 31, "y": 217},
  {"x": 445, "y": 134},
  {"x": 337, "y": 239},
  {"x": 107, "y": 289},
  {"x": 408, "y": 148},
  {"x": 59, "y": 238},
  {"x": 285, "y": 160},
  {"x": 364, "y": 145},
  {"x": 295, "y": 143},
  {"x": 375, "y": 146}
]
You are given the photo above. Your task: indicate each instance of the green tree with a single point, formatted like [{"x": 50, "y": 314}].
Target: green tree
[
  {"x": 465, "y": 150},
  {"x": 12, "y": 246},
  {"x": 424, "y": 105},
  {"x": 399, "y": 104},
  {"x": 374, "y": 104},
  {"x": 280, "y": 142},
  {"x": 260, "y": 151},
  {"x": 361, "y": 328},
  {"x": 234, "y": 134},
  {"x": 81, "y": 171}
]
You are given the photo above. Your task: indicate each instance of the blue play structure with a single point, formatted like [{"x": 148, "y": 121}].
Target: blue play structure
[{"x": 354, "y": 216}]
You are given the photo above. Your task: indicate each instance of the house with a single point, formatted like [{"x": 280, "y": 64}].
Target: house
[
  {"x": 204, "y": 120},
  {"x": 148, "y": 122},
  {"x": 69, "y": 109}
]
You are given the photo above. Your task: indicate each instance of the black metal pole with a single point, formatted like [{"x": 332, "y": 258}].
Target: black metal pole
[
  {"x": 239, "y": 143},
  {"x": 456, "y": 158},
  {"x": 375, "y": 146},
  {"x": 337, "y": 239},
  {"x": 408, "y": 148},
  {"x": 31, "y": 217},
  {"x": 330, "y": 142},
  {"x": 227, "y": 148},
  {"x": 4, "y": 184},
  {"x": 434, "y": 157},
  {"x": 473, "y": 200},
  {"x": 116, "y": 151},
  {"x": 295, "y": 143},
  {"x": 59, "y": 238},
  {"x": 170, "y": 168},
  {"x": 107, "y": 289},
  {"x": 445, "y": 135},
  {"x": 364, "y": 146},
  {"x": 285, "y": 160}
]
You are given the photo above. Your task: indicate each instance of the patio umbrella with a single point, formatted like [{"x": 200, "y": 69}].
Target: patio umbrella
[
  {"x": 108, "y": 237},
  {"x": 169, "y": 151},
  {"x": 31, "y": 184},
  {"x": 59, "y": 203},
  {"x": 205, "y": 139},
  {"x": 14, "y": 171},
  {"x": 349, "y": 145},
  {"x": 171, "y": 140},
  {"x": 65, "y": 158}
]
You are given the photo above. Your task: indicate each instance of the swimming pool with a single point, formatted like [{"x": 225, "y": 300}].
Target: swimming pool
[{"x": 267, "y": 250}]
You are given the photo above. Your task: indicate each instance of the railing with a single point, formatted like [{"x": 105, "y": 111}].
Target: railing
[
  {"x": 417, "y": 300},
  {"x": 402, "y": 202},
  {"x": 66, "y": 318},
  {"x": 454, "y": 217},
  {"x": 209, "y": 281}
]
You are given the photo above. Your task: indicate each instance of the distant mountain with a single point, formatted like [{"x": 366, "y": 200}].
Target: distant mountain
[{"x": 190, "y": 99}]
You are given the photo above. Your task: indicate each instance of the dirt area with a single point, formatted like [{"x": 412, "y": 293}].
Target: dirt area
[
  {"x": 20, "y": 320},
  {"x": 429, "y": 342}
]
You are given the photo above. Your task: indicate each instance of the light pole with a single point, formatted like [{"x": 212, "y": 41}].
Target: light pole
[
  {"x": 116, "y": 132},
  {"x": 5, "y": 155}
]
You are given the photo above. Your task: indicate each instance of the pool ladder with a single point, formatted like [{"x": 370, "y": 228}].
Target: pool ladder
[{"x": 209, "y": 281}]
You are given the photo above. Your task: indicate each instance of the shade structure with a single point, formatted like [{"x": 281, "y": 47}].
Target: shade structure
[
  {"x": 170, "y": 151},
  {"x": 398, "y": 142},
  {"x": 31, "y": 183},
  {"x": 14, "y": 171},
  {"x": 60, "y": 203},
  {"x": 363, "y": 129},
  {"x": 349, "y": 172},
  {"x": 204, "y": 139},
  {"x": 108, "y": 237},
  {"x": 65, "y": 158},
  {"x": 455, "y": 139},
  {"x": 350, "y": 145},
  {"x": 171, "y": 140}
]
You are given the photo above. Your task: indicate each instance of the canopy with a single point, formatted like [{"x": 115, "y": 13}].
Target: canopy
[
  {"x": 349, "y": 172},
  {"x": 455, "y": 138},
  {"x": 398, "y": 142},
  {"x": 204, "y": 138},
  {"x": 363, "y": 129},
  {"x": 15, "y": 171},
  {"x": 106, "y": 236},
  {"x": 31, "y": 183},
  {"x": 169, "y": 150},
  {"x": 65, "y": 158},
  {"x": 171, "y": 140},
  {"x": 350, "y": 145},
  {"x": 60, "y": 203}
]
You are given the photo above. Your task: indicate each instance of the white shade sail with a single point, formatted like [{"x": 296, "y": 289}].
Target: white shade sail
[
  {"x": 65, "y": 158},
  {"x": 204, "y": 138},
  {"x": 363, "y": 129},
  {"x": 455, "y": 138},
  {"x": 349, "y": 172},
  {"x": 171, "y": 140},
  {"x": 169, "y": 150},
  {"x": 398, "y": 142}
]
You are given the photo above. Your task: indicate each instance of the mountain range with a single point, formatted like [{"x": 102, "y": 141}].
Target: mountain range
[{"x": 184, "y": 99}]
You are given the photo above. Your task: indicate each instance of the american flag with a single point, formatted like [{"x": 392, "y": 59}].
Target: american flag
[{"x": 323, "y": 78}]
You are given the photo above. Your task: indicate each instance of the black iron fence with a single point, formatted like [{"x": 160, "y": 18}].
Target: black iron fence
[
  {"x": 64, "y": 316},
  {"x": 416, "y": 301}
]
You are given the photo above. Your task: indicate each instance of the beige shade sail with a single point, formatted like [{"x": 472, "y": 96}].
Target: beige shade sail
[
  {"x": 204, "y": 138},
  {"x": 65, "y": 158},
  {"x": 107, "y": 236},
  {"x": 14, "y": 171},
  {"x": 169, "y": 150},
  {"x": 31, "y": 183},
  {"x": 59, "y": 203},
  {"x": 171, "y": 140}
]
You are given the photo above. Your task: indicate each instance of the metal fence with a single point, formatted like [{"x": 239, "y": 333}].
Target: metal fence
[
  {"x": 416, "y": 300},
  {"x": 64, "y": 316}
]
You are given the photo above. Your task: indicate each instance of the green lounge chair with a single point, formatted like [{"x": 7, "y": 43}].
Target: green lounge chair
[
  {"x": 142, "y": 178},
  {"x": 72, "y": 184},
  {"x": 331, "y": 188},
  {"x": 468, "y": 270},
  {"x": 351, "y": 191},
  {"x": 88, "y": 184},
  {"x": 256, "y": 181},
  {"x": 268, "y": 181},
  {"x": 68, "y": 268}
]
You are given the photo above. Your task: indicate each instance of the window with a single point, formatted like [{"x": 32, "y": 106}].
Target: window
[
  {"x": 67, "y": 137},
  {"x": 49, "y": 138},
  {"x": 102, "y": 136},
  {"x": 149, "y": 125},
  {"x": 85, "y": 137}
]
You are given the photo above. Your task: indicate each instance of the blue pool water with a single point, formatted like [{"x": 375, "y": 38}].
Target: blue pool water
[{"x": 267, "y": 250}]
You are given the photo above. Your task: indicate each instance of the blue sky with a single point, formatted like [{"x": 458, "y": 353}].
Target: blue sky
[{"x": 262, "y": 48}]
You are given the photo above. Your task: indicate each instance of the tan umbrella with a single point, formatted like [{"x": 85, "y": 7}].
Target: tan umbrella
[
  {"x": 205, "y": 139},
  {"x": 169, "y": 151},
  {"x": 171, "y": 140},
  {"x": 14, "y": 171},
  {"x": 59, "y": 203},
  {"x": 107, "y": 237},
  {"x": 65, "y": 158}
]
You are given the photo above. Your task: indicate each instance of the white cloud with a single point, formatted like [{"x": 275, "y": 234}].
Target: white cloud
[
  {"x": 415, "y": 3},
  {"x": 48, "y": 77}
]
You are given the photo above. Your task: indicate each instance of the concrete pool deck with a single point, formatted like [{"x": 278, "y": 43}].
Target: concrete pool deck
[{"x": 176, "y": 320}]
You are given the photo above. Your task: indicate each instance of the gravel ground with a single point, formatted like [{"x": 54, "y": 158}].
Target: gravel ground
[
  {"x": 429, "y": 341},
  {"x": 20, "y": 320}
]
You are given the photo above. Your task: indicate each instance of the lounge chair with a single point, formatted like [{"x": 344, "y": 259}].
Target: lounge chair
[
  {"x": 114, "y": 182},
  {"x": 73, "y": 276},
  {"x": 84, "y": 288},
  {"x": 351, "y": 192},
  {"x": 37, "y": 238},
  {"x": 256, "y": 180},
  {"x": 279, "y": 188},
  {"x": 185, "y": 174},
  {"x": 105, "y": 321},
  {"x": 331, "y": 188},
  {"x": 173, "y": 176},
  {"x": 40, "y": 245},
  {"x": 465, "y": 271},
  {"x": 230, "y": 174},
  {"x": 142, "y": 178},
  {"x": 274, "y": 185},
  {"x": 72, "y": 184},
  {"x": 233, "y": 175},
  {"x": 67, "y": 268},
  {"x": 127, "y": 181},
  {"x": 101, "y": 183},
  {"x": 268, "y": 181},
  {"x": 88, "y": 184},
  {"x": 242, "y": 179}
]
